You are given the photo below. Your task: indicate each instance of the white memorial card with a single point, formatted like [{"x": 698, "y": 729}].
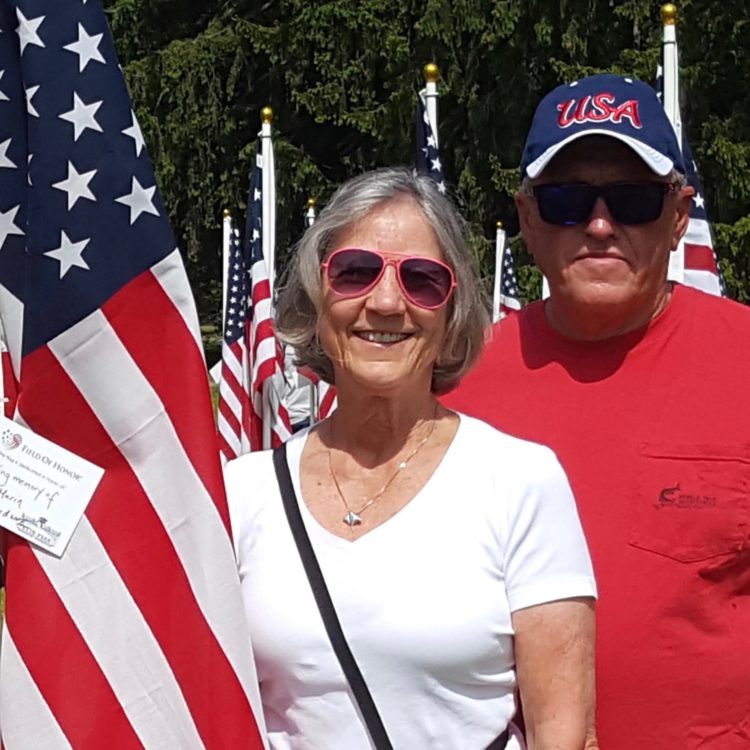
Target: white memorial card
[{"x": 44, "y": 489}]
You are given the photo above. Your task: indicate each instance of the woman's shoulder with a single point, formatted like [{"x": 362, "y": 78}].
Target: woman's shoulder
[
  {"x": 254, "y": 466},
  {"x": 482, "y": 439}
]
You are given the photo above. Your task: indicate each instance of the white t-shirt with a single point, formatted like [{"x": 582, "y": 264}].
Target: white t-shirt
[{"x": 424, "y": 599}]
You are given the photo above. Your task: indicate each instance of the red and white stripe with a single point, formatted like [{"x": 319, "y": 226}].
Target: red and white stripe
[
  {"x": 266, "y": 369},
  {"x": 136, "y": 637},
  {"x": 701, "y": 268},
  {"x": 233, "y": 400}
]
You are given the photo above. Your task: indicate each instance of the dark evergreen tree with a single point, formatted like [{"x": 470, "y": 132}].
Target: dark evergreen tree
[{"x": 342, "y": 76}]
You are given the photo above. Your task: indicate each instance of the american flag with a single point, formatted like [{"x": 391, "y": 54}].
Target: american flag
[
  {"x": 136, "y": 636},
  {"x": 428, "y": 158},
  {"x": 234, "y": 392},
  {"x": 701, "y": 265},
  {"x": 506, "y": 297},
  {"x": 251, "y": 405}
]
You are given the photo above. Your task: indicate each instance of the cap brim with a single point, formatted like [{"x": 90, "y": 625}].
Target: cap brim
[{"x": 656, "y": 162}]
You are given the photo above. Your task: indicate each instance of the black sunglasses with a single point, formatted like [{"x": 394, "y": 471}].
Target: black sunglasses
[{"x": 568, "y": 203}]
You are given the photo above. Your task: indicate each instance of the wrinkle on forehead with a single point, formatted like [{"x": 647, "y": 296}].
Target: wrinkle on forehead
[{"x": 596, "y": 159}]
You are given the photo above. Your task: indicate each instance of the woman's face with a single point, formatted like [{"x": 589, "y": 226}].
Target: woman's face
[{"x": 380, "y": 342}]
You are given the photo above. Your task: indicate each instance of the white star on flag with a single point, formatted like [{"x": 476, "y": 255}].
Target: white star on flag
[
  {"x": 699, "y": 200},
  {"x": 134, "y": 132},
  {"x": 30, "y": 108},
  {"x": 82, "y": 116},
  {"x": 8, "y": 225},
  {"x": 69, "y": 254},
  {"x": 87, "y": 48},
  {"x": 139, "y": 200},
  {"x": 5, "y": 162},
  {"x": 76, "y": 185},
  {"x": 27, "y": 30},
  {"x": 3, "y": 97}
]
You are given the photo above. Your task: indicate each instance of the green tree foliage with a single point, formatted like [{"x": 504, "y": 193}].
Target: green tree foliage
[{"x": 342, "y": 77}]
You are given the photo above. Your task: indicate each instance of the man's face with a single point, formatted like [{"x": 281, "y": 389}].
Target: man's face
[{"x": 601, "y": 264}]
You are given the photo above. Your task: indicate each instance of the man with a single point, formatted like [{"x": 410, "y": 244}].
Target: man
[{"x": 640, "y": 386}]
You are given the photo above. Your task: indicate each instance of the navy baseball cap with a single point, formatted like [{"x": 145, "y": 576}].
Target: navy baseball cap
[{"x": 623, "y": 108}]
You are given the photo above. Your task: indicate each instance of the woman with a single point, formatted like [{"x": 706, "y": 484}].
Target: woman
[{"x": 453, "y": 553}]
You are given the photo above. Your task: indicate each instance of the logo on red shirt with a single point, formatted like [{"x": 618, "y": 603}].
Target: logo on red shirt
[{"x": 597, "y": 108}]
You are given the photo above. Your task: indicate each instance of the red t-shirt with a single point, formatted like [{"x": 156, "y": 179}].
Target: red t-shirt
[{"x": 653, "y": 429}]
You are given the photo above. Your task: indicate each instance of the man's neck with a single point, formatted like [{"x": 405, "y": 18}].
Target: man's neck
[{"x": 599, "y": 323}]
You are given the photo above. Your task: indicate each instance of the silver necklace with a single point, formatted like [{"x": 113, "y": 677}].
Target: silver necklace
[{"x": 354, "y": 517}]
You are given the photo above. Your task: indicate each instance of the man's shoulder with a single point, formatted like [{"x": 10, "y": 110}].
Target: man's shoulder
[
  {"x": 506, "y": 332},
  {"x": 722, "y": 319},
  {"x": 719, "y": 306}
]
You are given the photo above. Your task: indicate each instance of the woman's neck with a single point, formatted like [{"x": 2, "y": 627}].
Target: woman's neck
[{"x": 375, "y": 428}]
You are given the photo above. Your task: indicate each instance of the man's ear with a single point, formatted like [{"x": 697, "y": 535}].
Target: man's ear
[
  {"x": 525, "y": 205},
  {"x": 684, "y": 203}
]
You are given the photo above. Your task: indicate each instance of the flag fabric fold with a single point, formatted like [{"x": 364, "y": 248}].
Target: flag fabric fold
[
  {"x": 427, "y": 155},
  {"x": 136, "y": 636}
]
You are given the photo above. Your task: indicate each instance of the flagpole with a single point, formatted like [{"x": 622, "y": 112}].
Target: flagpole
[
  {"x": 268, "y": 227},
  {"x": 671, "y": 71},
  {"x": 671, "y": 101},
  {"x": 310, "y": 213},
  {"x": 226, "y": 233},
  {"x": 310, "y": 217},
  {"x": 430, "y": 93},
  {"x": 500, "y": 236},
  {"x": 269, "y": 196}
]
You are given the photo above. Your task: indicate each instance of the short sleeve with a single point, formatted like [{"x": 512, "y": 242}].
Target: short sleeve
[
  {"x": 234, "y": 474},
  {"x": 546, "y": 556},
  {"x": 249, "y": 480}
]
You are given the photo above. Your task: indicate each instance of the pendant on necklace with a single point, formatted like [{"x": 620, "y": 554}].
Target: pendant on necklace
[{"x": 352, "y": 519}]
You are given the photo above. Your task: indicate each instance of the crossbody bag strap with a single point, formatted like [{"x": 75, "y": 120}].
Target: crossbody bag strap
[{"x": 325, "y": 605}]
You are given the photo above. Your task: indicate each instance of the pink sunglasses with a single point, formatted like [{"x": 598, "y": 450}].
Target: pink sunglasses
[{"x": 425, "y": 282}]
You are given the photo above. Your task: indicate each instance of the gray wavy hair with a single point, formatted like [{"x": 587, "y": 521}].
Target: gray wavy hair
[{"x": 301, "y": 296}]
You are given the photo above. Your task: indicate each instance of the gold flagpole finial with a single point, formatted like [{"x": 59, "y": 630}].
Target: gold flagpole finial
[
  {"x": 431, "y": 73},
  {"x": 669, "y": 14},
  {"x": 311, "y": 203},
  {"x": 266, "y": 115},
  {"x": 499, "y": 225},
  {"x": 227, "y": 214}
]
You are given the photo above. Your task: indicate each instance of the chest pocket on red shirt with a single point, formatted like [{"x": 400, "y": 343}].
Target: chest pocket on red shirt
[{"x": 691, "y": 502}]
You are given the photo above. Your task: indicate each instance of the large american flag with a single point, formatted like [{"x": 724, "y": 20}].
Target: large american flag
[
  {"x": 702, "y": 269},
  {"x": 136, "y": 637},
  {"x": 251, "y": 396},
  {"x": 427, "y": 157}
]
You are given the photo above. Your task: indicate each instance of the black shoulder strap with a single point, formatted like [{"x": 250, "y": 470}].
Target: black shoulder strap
[{"x": 325, "y": 605}]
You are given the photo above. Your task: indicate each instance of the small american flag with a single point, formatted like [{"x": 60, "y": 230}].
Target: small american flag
[
  {"x": 135, "y": 637},
  {"x": 428, "y": 158},
  {"x": 234, "y": 390},
  {"x": 505, "y": 298},
  {"x": 267, "y": 419}
]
